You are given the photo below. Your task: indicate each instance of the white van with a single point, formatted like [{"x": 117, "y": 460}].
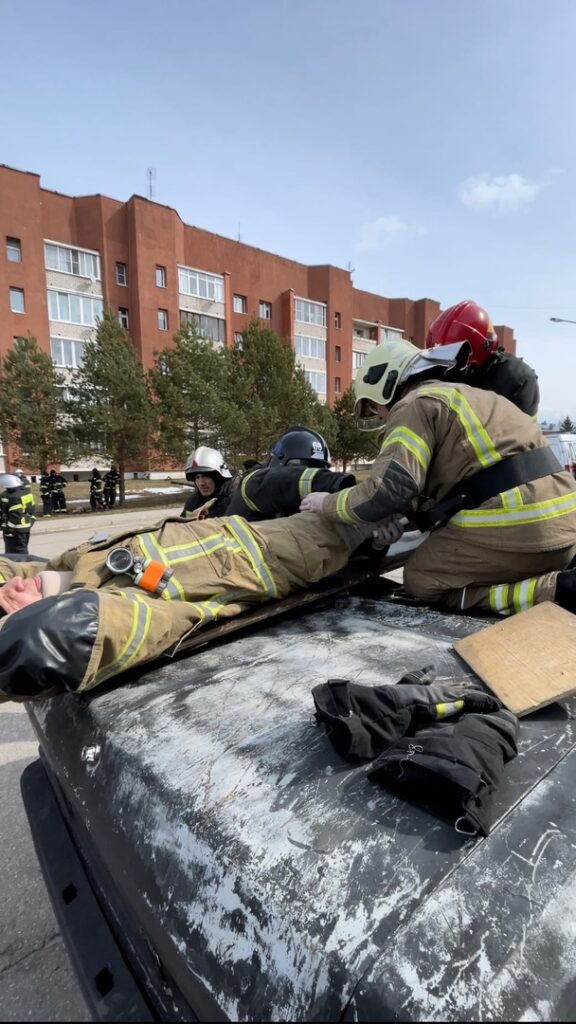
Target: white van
[{"x": 564, "y": 448}]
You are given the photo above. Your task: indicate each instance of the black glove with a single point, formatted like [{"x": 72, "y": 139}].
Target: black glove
[{"x": 46, "y": 646}]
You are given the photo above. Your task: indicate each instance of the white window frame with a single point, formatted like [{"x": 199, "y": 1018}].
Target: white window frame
[
  {"x": 76, "y": 351},
  {"x": 162, "y": 319},
  {"x": 13, "y": 245},
  {"x": 265, "y": 312},
  {"x": 64, "y": 260},
  {"x": 358, "y": 359},
  {"x": 390, "y": 334},
  {"x": 200, "y": 284},
  {"x": 310, "y": 347},
  {"x": 308, "y": 312},
  {"x": 13, "y": 293},
  {"x": 240, "y": 303},
  {"x": 84, "y": 299},
  {"x": 160, "y": 272},
  {"x": 195, "y": 319},
  {"x": 124, "y": 283},
  {"x": 124, "y": 317}
]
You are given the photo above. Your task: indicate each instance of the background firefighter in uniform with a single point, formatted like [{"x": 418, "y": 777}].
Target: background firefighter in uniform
[
  {"x": 46, "y": 493},
  {"x": 484, "y": 364},
  {"x": 111, "y": 480},
  {"x": 96, "y": 491},
  {"x": 57, "y": 488},
  {"x": 73, "y": 623},
  {"x": 299, "y": 464},
  {"x": 17, "y": 513},
  {"x": 505, "y": 555},
  {"x": 207, "y": 469}
]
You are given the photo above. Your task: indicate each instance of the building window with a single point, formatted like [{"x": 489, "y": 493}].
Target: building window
[
  {"x": 17, "y": 300},
  {"x": 265, "y": 310},
  {"x": 310, "y": 312},
  {"x": 337, "y": 320},
  {"x": 205, "y": 286},
  {"x": 160, "y": 277},
  {"x": 211, "y": 327},
  {"x": 67, "y": 352},
  {"x": 337, "y": 385},
  {"x": 238, "y": 339},
  {"x": 317, "y": 380},
  {"x": 72, "y": 261},
  {"x": 13, "y": 250},
  {"x": 163, "y": 319},
  {"x": 123, "y": 317},
  {"x": 240, "y": 304},
  {"x": 314, "y": 348},
  {"x": 338, "y": 354},
  {"x": 390, "y": 334},
  {"x": 121, "y": 275},
  {"x": 73, "y": 308},
  {"x": 358, "y": 359}
]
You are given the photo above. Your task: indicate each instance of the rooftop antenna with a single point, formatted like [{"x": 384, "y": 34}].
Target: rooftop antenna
[
  {"x": 151, "y": 176},
  {"x": 351, "y": 269},
  {"x": 239, "y": 237}
]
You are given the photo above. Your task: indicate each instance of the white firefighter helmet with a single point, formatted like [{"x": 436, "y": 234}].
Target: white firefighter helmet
[
  {"x": 387, "y": 368},
  {"x": 208, "y": 461},
  {"x": 10, "y": 480}
]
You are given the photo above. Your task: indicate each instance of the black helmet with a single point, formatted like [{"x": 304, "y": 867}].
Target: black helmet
[{"x": 300, "y": 446}]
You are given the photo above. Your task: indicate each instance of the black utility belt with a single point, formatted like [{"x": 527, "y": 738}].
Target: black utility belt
[{"x": 486, "y": 484}]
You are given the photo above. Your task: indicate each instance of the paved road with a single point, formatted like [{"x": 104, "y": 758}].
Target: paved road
[{"x": 36, "y": 979}]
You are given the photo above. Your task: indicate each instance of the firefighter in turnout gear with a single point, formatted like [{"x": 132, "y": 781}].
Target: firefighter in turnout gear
[
  {"x": 97, "y": 610},
  {"x": 46, "y": 493},
  {"x": 111, "y": 481},
  {"x": 481, "y": 362},
  {"x": 299, "y": 464},
  {"x": 57, "y": 489},
  {"x": 480, "y": 474},
  {"x": 96, "y": 491},
  {"x": 207, "y": 469},
  {"x": 17, "y": 511}
]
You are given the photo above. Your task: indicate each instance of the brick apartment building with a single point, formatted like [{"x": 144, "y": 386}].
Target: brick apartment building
[{"x": 66, "y": 257}]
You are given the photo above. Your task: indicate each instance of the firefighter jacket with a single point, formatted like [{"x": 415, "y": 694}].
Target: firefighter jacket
[
  {"x": 57, "y": 482},
  {"x": 45, "y": 485},
  {"x": 104, "y": 624},
  {"x": 17, "y": 509},
  {"x": 268, "y": 492},
  {"x": 439, "y": 434},
  {"x": 442, "y": 743},
  {"x": 505, "y": 374},
  {"x": 96, "y": 486},
  {"x": 221, "y": 501}
]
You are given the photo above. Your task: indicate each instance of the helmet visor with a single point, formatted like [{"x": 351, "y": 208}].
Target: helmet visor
[{"x": 366, "y": 413}]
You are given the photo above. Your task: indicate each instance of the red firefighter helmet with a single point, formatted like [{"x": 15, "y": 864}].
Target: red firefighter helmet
[{"x": 466, "y": 321}]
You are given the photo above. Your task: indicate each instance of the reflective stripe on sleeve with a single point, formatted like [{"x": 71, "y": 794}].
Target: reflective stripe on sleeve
[
  {"x": 476, "y": 434},
  {"x": 305, "y": 482},
  {"x": 413, "y": 443},
  {"x": 141, "y": 617},
  {"x": 248, "y": 501}
]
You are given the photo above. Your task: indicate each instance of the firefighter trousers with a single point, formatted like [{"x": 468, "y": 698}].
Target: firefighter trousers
[{"x": 452, "y": 570}]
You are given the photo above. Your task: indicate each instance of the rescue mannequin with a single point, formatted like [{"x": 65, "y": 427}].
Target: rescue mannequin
[{"x": 504, "y": 553}]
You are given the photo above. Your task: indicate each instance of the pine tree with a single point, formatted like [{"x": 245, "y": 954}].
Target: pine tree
[
  {"x": 567, "y": 426},
  {"x": 31, "y": 406},
  {"x": 351, "y": 443},
  {"x": 110, "y": 408}
]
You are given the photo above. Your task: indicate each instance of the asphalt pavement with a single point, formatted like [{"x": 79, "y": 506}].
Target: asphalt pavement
[{"x": 36, "y": 980}]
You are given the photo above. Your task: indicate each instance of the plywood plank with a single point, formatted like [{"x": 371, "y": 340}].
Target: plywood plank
[{"x": 527, "y": 660}]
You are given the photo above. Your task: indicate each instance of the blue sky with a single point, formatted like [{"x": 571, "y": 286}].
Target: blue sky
[{"x": 429, "y": 144}]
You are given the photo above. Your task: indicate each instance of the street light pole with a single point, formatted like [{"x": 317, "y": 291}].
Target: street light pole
[{"x": 560, "y": 320}]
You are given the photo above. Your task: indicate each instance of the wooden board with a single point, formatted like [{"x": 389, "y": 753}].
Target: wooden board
[{"x": 527, "y": 660}]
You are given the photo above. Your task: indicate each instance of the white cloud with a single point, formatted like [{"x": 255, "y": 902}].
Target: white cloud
[
  {"x": 505, "y": 192},
  {"x": 377, "y": 232}
]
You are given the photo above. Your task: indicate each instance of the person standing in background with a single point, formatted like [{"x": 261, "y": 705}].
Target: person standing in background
[
  {"x": 96, "y": 491},
  {"x": 111, "y": 479},
  {"x": 46, "y": 493},
  {"x": 57, "y": 487},
  {"x": 17, "y": 511}
]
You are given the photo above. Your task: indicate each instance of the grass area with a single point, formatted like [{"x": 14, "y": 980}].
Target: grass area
[{"x": 143, "y": 489}]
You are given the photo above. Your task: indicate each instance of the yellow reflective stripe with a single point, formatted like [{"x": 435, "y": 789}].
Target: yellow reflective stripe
[
  {"x": 152, "y": 549},
  {"x": 534, "y": 513},
  {"x": 412, "y": 442},
  {"x": 209, "y": 610},
  {"x": 251, "y": 549},
  {"x": 342, "y": 507},
  {"x": 512, "y": 498},
  {"x": 451, "y": 708},
  {"x": 248, "y": 501},
  {"x": 499, "y": 599},
  {"x": 2, "y": 578},
  {"x": 524, "y": 594},
  {"x": 305, "y": 482},
  {"x": 478, "y": 437},
  {"x": 141, "y": 616}
]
